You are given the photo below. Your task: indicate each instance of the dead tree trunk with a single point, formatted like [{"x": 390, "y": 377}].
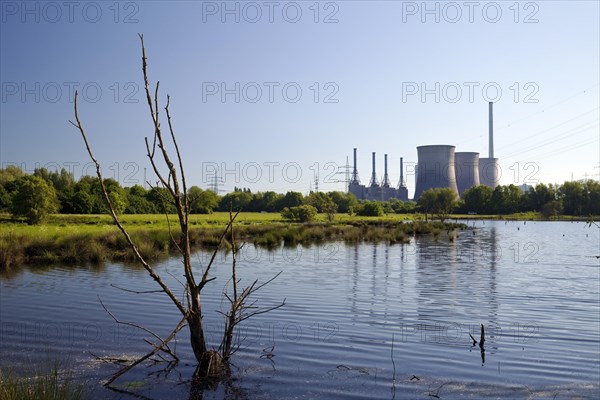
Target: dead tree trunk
[{"x": 210, "y": 362}]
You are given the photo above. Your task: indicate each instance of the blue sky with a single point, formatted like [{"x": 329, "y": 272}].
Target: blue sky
[{"x": 268, "y": 93}]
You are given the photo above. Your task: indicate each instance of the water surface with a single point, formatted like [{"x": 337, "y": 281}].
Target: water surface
[{"x": 350, "y": 311}]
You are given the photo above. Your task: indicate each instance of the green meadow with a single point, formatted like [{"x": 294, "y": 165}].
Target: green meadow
[{"x": 95, "y": 239}]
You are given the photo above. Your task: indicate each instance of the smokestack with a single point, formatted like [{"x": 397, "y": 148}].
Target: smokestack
[
  {"x": 401, "y": 172},
  {"x": 355, "y": 171},
  {"x": 491, "y": 144},
  {"x": 373, "y": 175},
  {"x": 386, "y": 180}
]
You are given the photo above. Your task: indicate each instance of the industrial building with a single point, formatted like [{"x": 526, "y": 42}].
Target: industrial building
[
  {"x": 376, "y": 191},
  {"x": 438, "y": 166}
]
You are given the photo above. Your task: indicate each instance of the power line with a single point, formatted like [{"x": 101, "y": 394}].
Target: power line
[
  {"x": 551, "y": 128},
  {"x": 548, "y": 108},
  {"x": 554, "y": 139}
]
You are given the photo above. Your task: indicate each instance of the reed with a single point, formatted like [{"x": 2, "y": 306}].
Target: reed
[
  {"x": 95, "y": 242},
  {"x": 45, "y": 384}
]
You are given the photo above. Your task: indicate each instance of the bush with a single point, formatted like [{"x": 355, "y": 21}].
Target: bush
[
  {"x": 371, "y": 209},
  {"x": 552, "y": 209},
  {"x": 304, "y": 213}
]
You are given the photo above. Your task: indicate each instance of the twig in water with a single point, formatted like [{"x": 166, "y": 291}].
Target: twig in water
[
  {"x": 482, "y": 340},
  {"x": 473, "y": 339}
]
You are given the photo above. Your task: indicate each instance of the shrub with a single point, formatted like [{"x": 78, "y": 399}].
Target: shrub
[
  {"x": 371, "y": 209},
  {"x": 304, "y": 213}
]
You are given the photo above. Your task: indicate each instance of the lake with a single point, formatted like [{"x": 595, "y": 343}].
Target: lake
[{"x": 356, "y": 316}]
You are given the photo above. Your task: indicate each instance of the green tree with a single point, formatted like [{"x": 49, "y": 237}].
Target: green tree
[
  {"x": 265, "y": 201},
  {"x": 116, "y": 193},
  {"x": 573, "y": 197},
  {"x": 291, "y": 199},
  {"x": 202, "y": 201},
  {"x": 34, "y": 199},
  {"x": 343, "y": 200},
  {"x": 137, "y": 201},
  {"x": 5, "y": 199},
  {"x": 80, "y": 200},
  {"x": 238, "y": 200},
  {"x": 370, "y": 209},
  {"x": 10, "y": 173},
  {"x": 499, "y": 204},
  {"x": 477, "y": 199},
  {"x": 551, "y": 209},
  {"x": 61, "y": 180},
  {"x": 329, "y": 208},
  {"x": 317, "y": 199},
  {"x": 593, "y": 197},
  {"x": 162, "y": 200},
  {"x": 438, "y": 201},
  {"x": 537, "y": 197},
  {"x": 304, "y": 213},
  {"x": 403, "y": 207},
  {"x": 513, "y": 198}
]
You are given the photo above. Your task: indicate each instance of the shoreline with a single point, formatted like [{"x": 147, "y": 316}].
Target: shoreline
[
  {"x": 97, "y": 242},
  {"x": 70, "y": 239}
]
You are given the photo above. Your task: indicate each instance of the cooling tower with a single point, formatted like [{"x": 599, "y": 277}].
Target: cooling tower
[
  {"x": 489, "y": 172},
  {"x": 466, "y": 166},
  {"x": 435, "y": 168}
]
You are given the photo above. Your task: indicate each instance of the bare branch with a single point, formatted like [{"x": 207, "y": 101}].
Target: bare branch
[
  {"x": 214, "y": 255},
  {"x": 150, "y": 354},
  {"x": 132, "y": 324},
  {"x": 135, "y": 291},
  {"x": 186, "y": 202},
  {"x": 148, "y": 268},
  {"x": 174, "y": 183}
]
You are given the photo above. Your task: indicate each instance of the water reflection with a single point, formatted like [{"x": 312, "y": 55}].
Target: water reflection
[
  {"x": 457, "y": 287},
  {"x": 343, "y": 310}
]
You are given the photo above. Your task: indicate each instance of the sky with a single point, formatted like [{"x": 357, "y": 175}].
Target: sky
[{"x": 274, "y": 95}]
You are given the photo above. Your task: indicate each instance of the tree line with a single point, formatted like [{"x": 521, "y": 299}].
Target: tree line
[{"x": 34, "y": 196}]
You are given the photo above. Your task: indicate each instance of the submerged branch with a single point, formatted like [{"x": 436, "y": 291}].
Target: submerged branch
[{"x": 180, "y": 325}]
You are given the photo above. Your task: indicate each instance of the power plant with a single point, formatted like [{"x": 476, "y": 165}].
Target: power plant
[
  {"x": 438, "y": 166},
  {"x": 375, "y": 191}
]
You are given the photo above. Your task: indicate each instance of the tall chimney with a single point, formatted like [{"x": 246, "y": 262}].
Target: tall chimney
[
  {"x": 355, "y": 171},
  {"x": 386, "y": 180},
  {"x": 373, "y": 175},
  {"x": 491, "y": 144},
  {"x": 401, "y": 172}
]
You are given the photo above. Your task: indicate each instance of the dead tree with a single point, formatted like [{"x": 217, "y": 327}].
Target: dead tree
[{"x": 211, "y": 362}]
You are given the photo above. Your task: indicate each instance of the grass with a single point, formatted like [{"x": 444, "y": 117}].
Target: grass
[
  {"x": 48, "y": 384},
  {"x": 93, "y": 239},
  {"x": 521, "y": 216}
]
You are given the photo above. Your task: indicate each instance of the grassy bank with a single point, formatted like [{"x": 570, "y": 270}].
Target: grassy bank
[
  {"x": 69, "y": 239},
  {"x": 522, "y": 216},
  {"x": 46, "y": 384}
]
